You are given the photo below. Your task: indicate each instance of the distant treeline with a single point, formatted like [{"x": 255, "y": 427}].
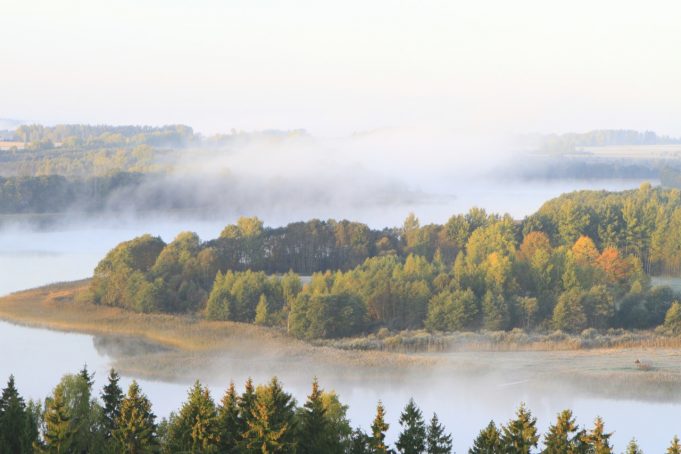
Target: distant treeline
[
  {"x": 571, "y": 142},
  {"x": 261, "y": 419},
  {"x": 582, "y": 261},
  {"x": 57, "y": 194},
  {"x": 80, "y": 135}
]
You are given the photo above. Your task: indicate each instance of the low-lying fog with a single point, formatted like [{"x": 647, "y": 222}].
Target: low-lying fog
[
  {"x": 463, "y": 404},
  {"x": 71, "y": 248}
]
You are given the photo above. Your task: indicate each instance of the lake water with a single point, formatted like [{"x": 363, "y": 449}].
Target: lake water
[{"x": 38, "y": 358}]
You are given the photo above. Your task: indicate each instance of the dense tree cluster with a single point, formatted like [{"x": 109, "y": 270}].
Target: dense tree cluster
[
  {"x": 79, "y": 135},
  {"x": 261, "y": 419},
  {"x": 57, "y": 194},
  {"x": 582, "y": 261},
  {"x": 571, "y": 142}
]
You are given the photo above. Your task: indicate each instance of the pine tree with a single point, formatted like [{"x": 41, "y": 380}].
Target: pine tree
[
  {"x": 246, "y": 405},
  {"x": 136, "y": 427},
  {"x": 272, "y": 425},
  {"x": 633, "y": 448},
  {"x": 597, "y": 440},
  {"x": 194, "y": 428},
  {"x": 488, "y": 441},
  {"x": 519, "y": 436},
  {"x": 564, "y": 437},
  {"x": 378, "y": 430},
  {"x": 16, "y": 433},
  {"x": 675, "y": 446},
  {"x": 360, "y": 443},
  {"x": 228, "y": 421},
  {"x": 58, "y": 435},
  {"x": 412, "y": 439},
  {"x": 437, "y": 441},
  {"x": 112, "y": 396},
  {"x": 315, "y": 428}
]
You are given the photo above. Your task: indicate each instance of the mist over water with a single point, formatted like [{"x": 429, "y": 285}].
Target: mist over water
[{"x": 464, "y": 403}]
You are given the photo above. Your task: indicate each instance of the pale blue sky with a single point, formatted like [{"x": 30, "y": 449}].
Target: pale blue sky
[{"x": 338, "y": 67}]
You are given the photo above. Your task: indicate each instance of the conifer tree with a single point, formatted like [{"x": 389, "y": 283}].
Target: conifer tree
[
  {"x": 228, "y": 422},
  {"x": 675, "y": 446},
  {"x": 412, "y": 439},
  {"x": 112, "y": 396},
  {"x": 597, "y": 440},
  {"x": 194, "y": 428},
  {"x": 16, "y": 431},
  {"x": 58, "y": 435},
  {"x": 272, "y": 425},
  {"x": 315, "y": 427},
  {"x": 246, "y": 405},
  {"x": 564, "y": 437},
  {"x": 437, "y": 442},
  {"x": 488, "y": 441},
  {"x": 360, "y": 443},
  {"x": 378, "y": 430},
  {"x": 519, "y": 436},
  {"x": 136, "y": 426},
  {"x": 633, "y": 448}
]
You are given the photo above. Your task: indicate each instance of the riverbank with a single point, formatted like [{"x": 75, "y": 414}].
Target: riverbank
[
  {"x": 192, "y": 342},
  {"x": 648, "y": 367}
]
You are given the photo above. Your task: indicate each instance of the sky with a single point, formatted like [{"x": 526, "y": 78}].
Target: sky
[{"x": 335, "y": 68}]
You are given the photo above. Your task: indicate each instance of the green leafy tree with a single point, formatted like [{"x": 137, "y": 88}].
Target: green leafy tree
[
  {"x": 569, "y": 314},
  {"x": 136, "y": 426},
  {"x": 675, "y": 446},
  {"x": 412, "y": 438},
  {"x": 520, "y": 434},
  {"x": 495, "y": 312},
  {"x": 672, "y": 320},
  {"x": 378, "y": 429},
  {"x": 437, "y": 441},
  {"x": 488, "y": 441}
]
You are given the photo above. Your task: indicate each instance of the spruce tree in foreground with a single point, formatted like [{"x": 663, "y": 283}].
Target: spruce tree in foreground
[
  {"x": 272, "y": 425},
  {"x": 488, "y": 441},
  {"x": 378, "y": 430},
  {"x": 228, "y": 422},
  {"x": 633, "y": 448},
  {"x": 597, "y": 440},
  {"x": 194, "y": 428},
  {"x": 360, "y": 443},
  {"x": 315, "y": 428},
  {"x": 564, "y": 437},
  {"x": 136, "y": 425},
  {"x": 112, "y": 396},
  {"x": 519, "y": 436},
  {"x": 17, "y": 431},
  {"x": 675, "y": 446},
  {"x": 437, "y": 442},
  {"x": 412, "y": 439},
  {"x": 58, "y": 435}
]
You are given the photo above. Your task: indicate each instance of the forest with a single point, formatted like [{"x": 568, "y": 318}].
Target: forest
[
  {"x": 263, "y": 418},
  {"x": 582, "y": 261}
]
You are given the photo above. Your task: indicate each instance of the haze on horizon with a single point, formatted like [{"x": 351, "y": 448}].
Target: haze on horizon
[{"x": 336, "y": 68}]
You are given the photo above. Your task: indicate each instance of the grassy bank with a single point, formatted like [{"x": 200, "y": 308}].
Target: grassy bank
[{"x": 193, "y": 342}]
